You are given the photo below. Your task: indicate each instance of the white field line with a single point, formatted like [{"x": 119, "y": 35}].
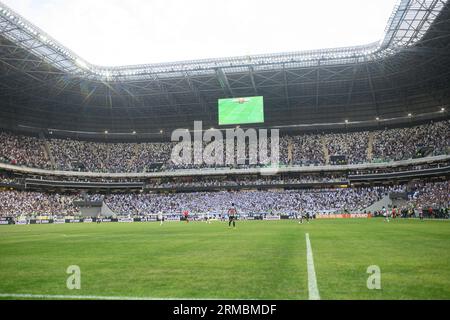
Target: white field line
[
  {"x": 87, "y": 297},
  {"x": 313, "y": 291}
]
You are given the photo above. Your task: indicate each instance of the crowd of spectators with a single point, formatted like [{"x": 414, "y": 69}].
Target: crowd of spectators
[
  {"x": 23, "y": 151},
  {"x": 307, "y": 149},
  {"x": 433, "y": 194},
  {"x": 290, "y": 201},
  {"x": 108, "y": 157},
  {"x": 18, "y": 203},
  {"x": 404, "y": 143},
  {"x": 25, "y": 203},
  {"x": 351, "y": 145}
]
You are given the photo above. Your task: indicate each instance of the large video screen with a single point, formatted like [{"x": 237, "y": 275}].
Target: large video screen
[{"x": 241, "y": 110}]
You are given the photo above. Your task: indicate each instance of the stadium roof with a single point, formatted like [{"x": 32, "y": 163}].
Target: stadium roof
[
  {"x": 45, "y": 85},
  {"x": 175, "y": 30}
]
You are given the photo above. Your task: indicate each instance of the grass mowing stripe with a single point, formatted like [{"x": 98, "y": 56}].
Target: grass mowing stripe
[
  {"x": 86, "y": 297},
  {"x": 312, "y": 281}
]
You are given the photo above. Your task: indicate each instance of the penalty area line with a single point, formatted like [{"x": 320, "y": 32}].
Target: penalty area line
[
  {"x": 313, "y": 290},
  {"x": 87, "y": 297}
]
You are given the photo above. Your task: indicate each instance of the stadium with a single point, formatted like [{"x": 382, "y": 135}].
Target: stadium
[{"x": 318, "y": 174}]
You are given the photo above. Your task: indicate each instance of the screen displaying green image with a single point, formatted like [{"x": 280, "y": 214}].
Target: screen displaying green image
[{"x": 241, "y": 110}]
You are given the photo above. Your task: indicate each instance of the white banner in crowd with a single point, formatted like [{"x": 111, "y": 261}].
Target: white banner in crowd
[
  {"x": 172, "y": 219},
  {"x": 271, "y": 217},
  {"x": 343, "y": 216}
]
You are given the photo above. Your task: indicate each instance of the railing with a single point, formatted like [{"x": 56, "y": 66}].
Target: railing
[
  {"x": 223, "y": 171},
  {"x": 82, "y": 184},
  {"x": 400, "y": 174}
]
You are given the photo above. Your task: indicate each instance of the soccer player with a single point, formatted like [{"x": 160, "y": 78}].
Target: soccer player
[
  {"x": 160, "y": 218},
  {"x": 385, "y": 214},
  {"x": 430, "y": 212},
  {"x": 300, "y": 215},
  {"x": 232, "y": 216},
  {"x": 186, "y": 215},
  {"x": 394, "y": 212}
]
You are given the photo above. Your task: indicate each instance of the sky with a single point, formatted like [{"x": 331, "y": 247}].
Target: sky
[{"x": 127, "y": 32}]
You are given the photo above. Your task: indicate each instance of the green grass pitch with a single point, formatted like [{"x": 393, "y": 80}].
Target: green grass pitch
[
  {"x": 257, "y": 260},
  {"x": 233, "y": 112}
]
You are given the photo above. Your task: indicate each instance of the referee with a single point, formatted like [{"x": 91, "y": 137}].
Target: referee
[{"x": 232, "y": 216}]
